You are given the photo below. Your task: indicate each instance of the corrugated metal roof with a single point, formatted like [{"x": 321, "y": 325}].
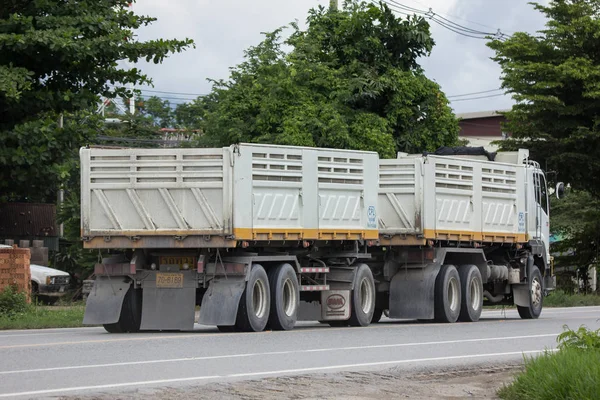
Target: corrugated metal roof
[
  {"x": 28, "y": 219},
  {"x": 481, "y": 114}
]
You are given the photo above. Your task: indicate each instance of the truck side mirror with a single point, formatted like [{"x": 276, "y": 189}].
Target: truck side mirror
[{"x": 560, "y": 190}]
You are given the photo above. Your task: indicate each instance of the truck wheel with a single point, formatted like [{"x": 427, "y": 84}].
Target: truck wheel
[
  {"x": 447, "y": 294},
  {"x": 536, "y": 296},
  {"x": 377, "y": 313},
  {"x": 363, "y": 297},
  {"x": 253, "y": 312},
  {"x": 471, "y": 287},
  {"x": 131, "y": 313},
  {"x": 285, "y": 297}
]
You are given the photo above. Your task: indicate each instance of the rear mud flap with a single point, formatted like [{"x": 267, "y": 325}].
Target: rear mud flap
[
  {"x": 169, "y": 308},
  {"x": 104, "y": 303},
  {"x": 221, "y": 300},
  {"x": 412, "y": 293}
]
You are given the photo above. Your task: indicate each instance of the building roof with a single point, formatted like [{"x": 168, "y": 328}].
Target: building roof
[{"x": 481, "y": 114}]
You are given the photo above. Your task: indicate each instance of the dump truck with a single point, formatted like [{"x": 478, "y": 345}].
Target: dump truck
[{"x": 262, "y": 236}]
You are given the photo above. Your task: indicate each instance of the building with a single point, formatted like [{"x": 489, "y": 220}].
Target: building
[{"x": 482, "y": 128}]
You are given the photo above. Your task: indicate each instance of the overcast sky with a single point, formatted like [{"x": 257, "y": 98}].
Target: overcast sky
[{"x": 222, "y": 29}]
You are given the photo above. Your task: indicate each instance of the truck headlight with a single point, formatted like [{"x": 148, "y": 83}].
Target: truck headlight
[{"x": 48, "y": 280}]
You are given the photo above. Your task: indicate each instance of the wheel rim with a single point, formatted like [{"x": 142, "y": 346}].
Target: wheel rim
[
  {"x": 259, "y": 298},
  {"x": 289, "y": 298},
  {"x": 453, "y": 296},
  {"x": 366, "y": 296},
  {"x": 536, "y": 292},
  {"x": 475, "y": 289}
]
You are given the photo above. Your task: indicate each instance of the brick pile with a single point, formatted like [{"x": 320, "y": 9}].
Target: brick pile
[{"x": 14, "y": 269}]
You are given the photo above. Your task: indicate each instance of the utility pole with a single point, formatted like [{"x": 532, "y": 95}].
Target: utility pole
[
  {"x": 333, "y": 5},
  {"x": 61, "y": 189},
  {"x": 132, "y": 98}
]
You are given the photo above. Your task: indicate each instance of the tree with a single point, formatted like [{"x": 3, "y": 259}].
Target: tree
[
  {"x": 159, "y": 111},
  {"x": 58, "y": 56},
  {"x": 351, "y": 80},
  {"x": 555, "y": 78},
  {"x": 576, "y": 220}
]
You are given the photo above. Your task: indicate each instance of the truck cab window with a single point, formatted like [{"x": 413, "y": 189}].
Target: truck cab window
[{"x": 541, "y": 192}]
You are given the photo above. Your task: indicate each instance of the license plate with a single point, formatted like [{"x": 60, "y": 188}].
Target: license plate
[
  {"x": 177, "y": 261},
  {"x": 169, "y": 280}
]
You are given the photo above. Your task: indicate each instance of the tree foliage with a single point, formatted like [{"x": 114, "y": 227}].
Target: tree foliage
[
  {"x": 351, "y": 80},
  {"x": 58, "y": 56},
  {"x": 555, "y": 78},
  {"x": 576, "y": 222}
]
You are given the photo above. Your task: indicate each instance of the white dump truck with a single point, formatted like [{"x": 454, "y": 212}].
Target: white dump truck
[{"x": 261, "y": 236}]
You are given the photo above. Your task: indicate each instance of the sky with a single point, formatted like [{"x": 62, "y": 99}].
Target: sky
[{"x": 223, "y": 29}]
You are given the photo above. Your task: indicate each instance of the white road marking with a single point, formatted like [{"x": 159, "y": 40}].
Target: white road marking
[
  {"x": 267, "y": 373},
  {"x": 33, "y": 334},
  {"x": 277, "y": 353},
  {"x": 544, "y": 311},
  {"x": 61, "y": 330}
]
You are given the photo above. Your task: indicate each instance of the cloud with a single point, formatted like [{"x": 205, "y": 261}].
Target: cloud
[{"x": 223, "y": 29}]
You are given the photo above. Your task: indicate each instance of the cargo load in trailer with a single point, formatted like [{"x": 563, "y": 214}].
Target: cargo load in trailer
[{"x": 261, "y": 236}]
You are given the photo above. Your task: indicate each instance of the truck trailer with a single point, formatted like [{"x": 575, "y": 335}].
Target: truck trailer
[{"x": 262, "y": 236}]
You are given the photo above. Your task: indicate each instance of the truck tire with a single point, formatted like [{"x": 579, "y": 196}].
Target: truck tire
[
  {"x": 447, "y": 294},
  {"x": 253, "y": 312},
  {"x": 536, "y": 296},
  {"x": 131, "y": 314},
  {"x": 363, "y": 297},
  {"x": 471, "y": 287},
  {"x": 377, "y": 313},
  {"x": 285, "y": 297}
]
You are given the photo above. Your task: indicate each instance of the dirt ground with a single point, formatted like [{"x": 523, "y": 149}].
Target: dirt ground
[{"x": 473, "y": 383}]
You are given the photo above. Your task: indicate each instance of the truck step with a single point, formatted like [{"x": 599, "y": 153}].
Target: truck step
[
  {"x": 314, "y": 288},
  {"x": 314, "y": 270}
]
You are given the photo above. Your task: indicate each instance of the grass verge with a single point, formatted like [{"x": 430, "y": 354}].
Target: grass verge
[
  {"x": 558, "y": 298},
  {"x": 38, "y": 317},
  {"x": 567, "y": 374},
  {"x": 571, "y": 373}
]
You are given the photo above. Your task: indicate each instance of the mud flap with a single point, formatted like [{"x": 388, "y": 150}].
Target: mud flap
[
  {"x": 412, "y": 293},
  {"x": 104, "y": 303},
  {"x": 221, "y": 300},
  {"x": 169, "y": 308},
  {"x": 521, "y": 295},
  {"x": 335, "y": 305}
]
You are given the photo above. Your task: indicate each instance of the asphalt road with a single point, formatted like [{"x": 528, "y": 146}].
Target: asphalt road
[{"x": 49, "y": 363}]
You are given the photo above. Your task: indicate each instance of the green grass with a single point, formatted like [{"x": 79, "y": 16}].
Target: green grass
[
  {"x": 568, "y": 374},
  {"x": 571, "y": 373},
  {"x": 559, "y": 298},
  {"x": 37, "y": 317}
]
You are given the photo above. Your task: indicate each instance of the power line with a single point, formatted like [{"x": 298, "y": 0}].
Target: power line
[
  {"x": 444, "y": 22},
  {"x": 165, "y": 92},
  {"x": 462, "y": 19},
  {"x": 148, "y": 96},
  {"x": 480, "y": 97},
  {"x": 183, "y": 94},
  {"x": 434, "y": 15},
  {"x": 473, "y": 93}
]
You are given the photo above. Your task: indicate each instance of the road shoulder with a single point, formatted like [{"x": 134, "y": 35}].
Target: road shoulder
[{"x": 481, "y": 381}]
